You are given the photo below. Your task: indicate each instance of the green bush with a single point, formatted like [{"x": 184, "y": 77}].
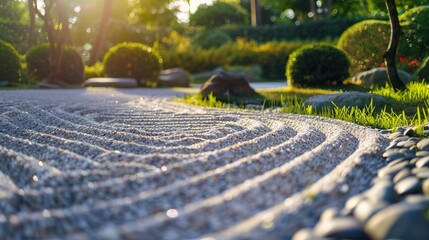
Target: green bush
[
  {"x": 94, "y": 71},
  {"x": 39, "y": 68},
  {"x": 218, "y": 14},
  {"x": 211, "y": 39},
  {"x": 133, "y": 60},
  {"x": 10, "y": 65},
  {"x": 317, "y": 65},
  {"x": 415, "y": 28},
  {"x": 423, "y": 72},
  {"x": 365, "y": 44}
]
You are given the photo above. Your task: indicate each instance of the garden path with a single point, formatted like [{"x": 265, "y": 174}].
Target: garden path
[{"x": 131, "y": 164}]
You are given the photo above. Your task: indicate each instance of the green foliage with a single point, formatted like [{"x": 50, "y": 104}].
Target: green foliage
[
  {"x": 133, "y": 60},
  {"x": 365, "y": 43},
  {"x": 211, "y": 39},
  {"x": 218, "y": 14},
  {"x": 310, "y": 30},
  {"x": 415, "y": 39},
  {"x": 423, "y": 72},
  {"x": 10, "y": 65},
  {"x": 39, "y": 67},
  {"x": 271, "y": 56},
  {"x": 317, "y": 65},
  {"x": 94, "y": 71}
]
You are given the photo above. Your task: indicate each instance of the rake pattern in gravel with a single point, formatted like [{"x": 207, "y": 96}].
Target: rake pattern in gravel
[{"x": 131, "y": 164}]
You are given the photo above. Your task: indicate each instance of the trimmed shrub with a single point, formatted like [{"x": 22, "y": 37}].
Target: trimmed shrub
[
  {"x": 415, "y": 28},
  {"x": 10, "y": 65},
  {"x": 423, "y": 72},
  {"x": 218, "y": 14},
  {"x": 133, "y": 60},
  {"x": 39, "y": 68},
  {"x": 211, "y": 39},
  {"x": 365, "y": 44},
  {"x": 317, "y": 65}
]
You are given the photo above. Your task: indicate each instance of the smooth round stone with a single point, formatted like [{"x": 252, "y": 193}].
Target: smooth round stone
[
  {"x": 425, "y": 187},
  {"x": 395, "y": 135},
  {"x": 422, "y": 153},
  {"x": 410, "y": 132},
  {"x": 401, "y": 129},
  {"x": 408, "y": 155},
  {"x": 341, "y": 228},
  {"x": 409, "y": 144},
  {"x": 394, "y": 162},
  {"x": 382, "y": 191},
  {"x": 306, "y": 234},
  {"x": 415, "y": 171},
  {"x": 398, "y": 221},
  {"x": 329, "y": 214},
  {"x": 414, "y": 160},
  {"x": 392, "y": 170},
  {"x": 420, "y": 200},
  {"x": 409, "y": 185},
  {"x": 354, "y": 201},
  {"x": 423, "y": 162},
  {"x": 401, "y": 175},
  {"x": 393, "y": 151},
  {"x": 423, "y": 144},
  {"x": 366, "y": 209},
  {"x": 423, "y": 175}
]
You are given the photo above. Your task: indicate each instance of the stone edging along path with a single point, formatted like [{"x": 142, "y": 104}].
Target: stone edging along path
[{"x": 130, "y": 164}]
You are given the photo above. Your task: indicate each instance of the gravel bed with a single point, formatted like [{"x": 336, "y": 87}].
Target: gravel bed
[{"x": 132, "y": 164}]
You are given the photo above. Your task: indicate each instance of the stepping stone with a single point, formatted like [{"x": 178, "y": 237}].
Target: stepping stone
[{"x": 111, "y": 82}]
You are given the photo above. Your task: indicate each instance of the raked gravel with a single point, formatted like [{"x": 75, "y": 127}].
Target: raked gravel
[{"x": 132, "y": 164}]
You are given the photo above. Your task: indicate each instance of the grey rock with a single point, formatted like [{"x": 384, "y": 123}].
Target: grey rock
[
  {"x": 423, "y": 144},
  {"x": 423, "y": 162},
  {"x": 378, "y": 77},
  {"x": 392, "y": 170},
  {"x": 398, "y": 221},
  {"x": 5, "y": 84},
  {"x": 410, "y": 132},
  {"x": 227, "y": 85},
  {"x": 394, "y": 162},
  {"x": 401, "y": 175},
  {"x": 329, "y": 214},
  {"x": 306, "y": 234},
  {"x": 111, "y": 82},
  {"x": 174, "y": 77},
  {"x": 47, "y": 85},
  {"x": 346, "y": 99},
  {"x": 422, "y": 153},
  {"x": 366, "y": 209},
  {"x": 409, "y": 185},
  {"x": 395, "y": 135},
  {"x": 382, "y": 191},
  {"x": 340, "y": 228},
  {"x": 422, "y": 175},
  {"x": 354, "y": 201},
  {"x": 425, "y": 187}
]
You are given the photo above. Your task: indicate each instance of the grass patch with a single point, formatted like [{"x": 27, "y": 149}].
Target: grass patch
[{"x": 409, "y": 107}]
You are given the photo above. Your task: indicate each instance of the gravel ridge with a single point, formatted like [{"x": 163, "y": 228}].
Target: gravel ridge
[{"x": 132, "y": 164}]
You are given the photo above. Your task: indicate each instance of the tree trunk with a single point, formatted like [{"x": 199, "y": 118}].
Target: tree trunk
[
  {"x": 255, "y": 12},
  {"x": 390, "y": 54},
  {"x": 32, "y": 24},
  {"x": 102, "y": 34},
  {"x": 64, "y": 20}
]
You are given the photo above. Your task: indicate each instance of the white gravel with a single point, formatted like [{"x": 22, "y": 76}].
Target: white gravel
[{"x": 131, "y": 164}]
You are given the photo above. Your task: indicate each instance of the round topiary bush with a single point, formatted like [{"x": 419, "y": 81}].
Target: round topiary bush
[
  {"x": 39, "y": 68},
  {"x": 317, "y": 65},
  {"x": 133, "y": 60},
  {"x": 365, "y": 43},
  {"x": 10, "y": 64},
  {"x": 211, "y": 39},
  {"x": 414, "y": 41}
]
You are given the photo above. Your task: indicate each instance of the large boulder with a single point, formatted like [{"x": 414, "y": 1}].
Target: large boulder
[
  {"x": 111, "y": 82},
  {"x": 346, "y": 99},
  {"x": 174, "y": 77},
  {"x": 227, "y": 85},
  {"x": 378, "y": 77}
]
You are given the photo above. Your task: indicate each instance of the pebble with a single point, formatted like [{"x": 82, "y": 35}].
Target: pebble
[
  {"x": 341, "y": 228},
  {"x": 423, "y": 162},
  {"x": 423, "y": 145},
  {"x": 409, "y": 185}
]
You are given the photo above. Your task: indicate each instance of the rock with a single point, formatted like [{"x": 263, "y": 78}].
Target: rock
[
  {"x": 423, "y": 145},
  {"x": 378, "y": 77},
  {"x": 354, "y": 201},
  {"x": 382, "y": 191},
  {"x": 401, "y": 175},
  {"x": 346, "y": 99},
  {"x": 423, "y": 162},
  {"x": 391, "y": 171},
  {"x": 5, "y": 84},
  {"x": 47, "y": 85},
  {"x": 227, "y": 85},
  {"x": 174, "y": 77},
  {"x": 366, "y": 209},
  {"x": 409, "y": 185},
  {"x": 410, "y": 132},
  {"x": 329, "y": 214},
  {"x": 340, "y": 228},
  {"x": 425, "y": 187},
  {"x": 399, "y": 221},
  {"x": 422, "y": 153},
  {"x": 111, "y": 82},
  {"x": 306, "y": 234}
]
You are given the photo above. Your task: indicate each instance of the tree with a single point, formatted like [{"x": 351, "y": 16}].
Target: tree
[
  {"x": 56, "y": 37},
  {"x": 255, "y": 12},
  {"x": 390, "y": 54},
  {"x": 153, "y": 12},
  {"x": 102, "y": 32}
]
